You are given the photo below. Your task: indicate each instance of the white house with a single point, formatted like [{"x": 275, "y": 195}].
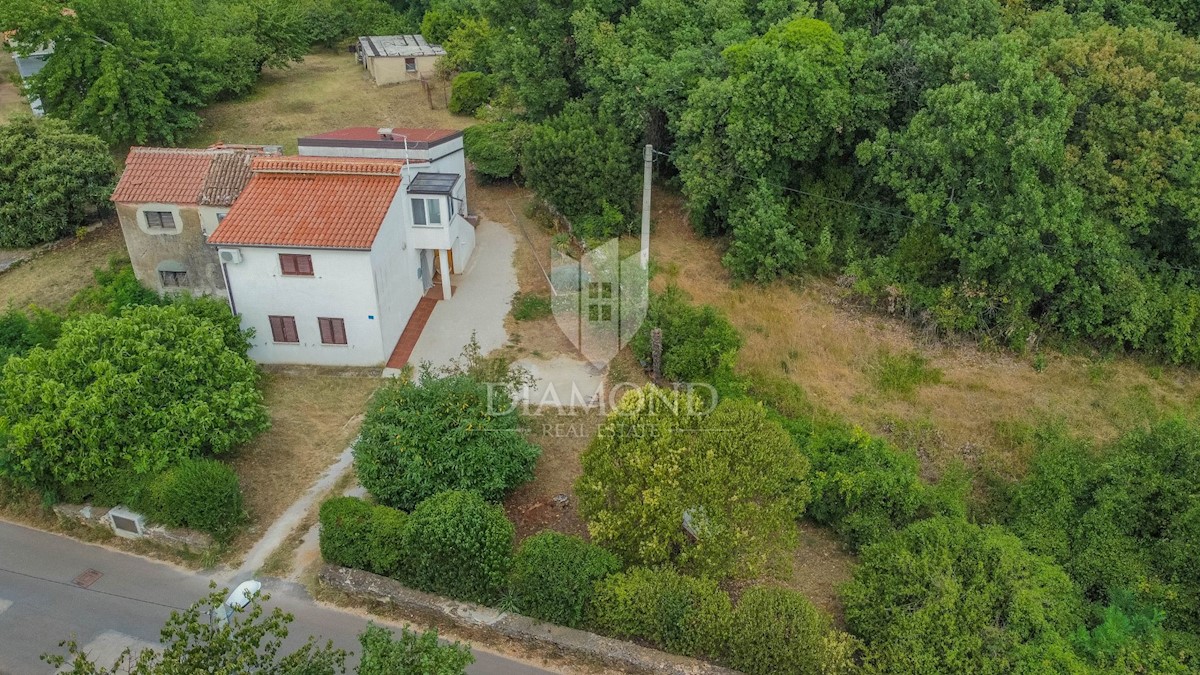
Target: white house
[{"x": 327, "y": 257}]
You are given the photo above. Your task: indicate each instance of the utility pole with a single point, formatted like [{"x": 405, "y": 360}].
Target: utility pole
[{"x": 648, "y": 158}]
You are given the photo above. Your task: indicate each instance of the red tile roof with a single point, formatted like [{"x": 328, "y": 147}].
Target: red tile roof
[
  {"x": 372, "y": 134},
  {"x": 214, "y": 176},
  {"x": 311, "y": 202}
]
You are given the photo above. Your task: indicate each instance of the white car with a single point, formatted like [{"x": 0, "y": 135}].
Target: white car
[{"x": 238, "y": 599}]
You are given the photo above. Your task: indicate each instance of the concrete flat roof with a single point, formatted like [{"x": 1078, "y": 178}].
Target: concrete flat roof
[{"x": 398, "y": 45}]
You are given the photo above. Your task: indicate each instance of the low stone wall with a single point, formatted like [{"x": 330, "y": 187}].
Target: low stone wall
[
  {"x": 522, "y": 629},
  {"x": 96, "y": 516}
]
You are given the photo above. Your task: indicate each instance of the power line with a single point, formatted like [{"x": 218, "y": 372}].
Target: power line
[{"x": 92, "y": 590}]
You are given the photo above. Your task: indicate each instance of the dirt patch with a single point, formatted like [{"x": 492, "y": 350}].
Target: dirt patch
[
  {"x": 314, "y": 416},
  {"x": 328, "y": 90},
  {"x": 563, "y": 437},
  {"x": 51, "y": 278}
]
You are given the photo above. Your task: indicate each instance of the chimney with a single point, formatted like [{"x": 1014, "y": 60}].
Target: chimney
[{"x": 385, "y": 134}]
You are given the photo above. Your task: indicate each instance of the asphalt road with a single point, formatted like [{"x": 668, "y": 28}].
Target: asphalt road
[{"x": 128, "y": 604}]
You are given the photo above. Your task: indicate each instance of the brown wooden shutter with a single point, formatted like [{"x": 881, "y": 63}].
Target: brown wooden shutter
[
  {"x": 289, "y": 329},
  {"x": 304, "y": 265},
  {"x": 340, "y": 331},
  {"x": 276, "y": 328},
  {"x": 326, "y": 326},
  {"x": 287, "y": 264}
]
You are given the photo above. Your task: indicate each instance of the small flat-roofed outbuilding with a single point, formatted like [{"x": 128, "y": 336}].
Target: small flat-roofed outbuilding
[{"x": 398, "y": 58}]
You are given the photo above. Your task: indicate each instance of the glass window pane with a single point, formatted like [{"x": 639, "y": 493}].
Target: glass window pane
[
  {"x": 418, "y": 207},
  {"x": 435, "y": 211}
]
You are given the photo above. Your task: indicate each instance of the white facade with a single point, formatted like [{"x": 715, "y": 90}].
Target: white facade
[{"x": 374, "y": 292}]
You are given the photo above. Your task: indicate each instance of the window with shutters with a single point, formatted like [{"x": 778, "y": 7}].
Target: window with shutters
[
  {"x": 160, "y": 220},
  {"x": 283, "y": 329},
  {"x": 410, "y": 65},
  {"x": 333, "y": 331},
  {"x": 172, "y": 279},
  {"x": 294, "y": 265}
]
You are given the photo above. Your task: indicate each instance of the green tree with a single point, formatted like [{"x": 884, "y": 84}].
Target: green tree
[
  {"x": 52, "y": 180},
  {"x": 661, "y": 458},
  {"x": 583, "y": 166},
  {"x": 134, "y": 393},
  {"x": 454, "y": 432},
  {"x": 944, "y": 595},
  {"x": 471, "y": 91},
  {"x": 250, "y": 642}
]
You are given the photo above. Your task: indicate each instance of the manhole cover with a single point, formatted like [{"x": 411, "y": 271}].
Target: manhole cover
[{"x": 88, "y": 578}]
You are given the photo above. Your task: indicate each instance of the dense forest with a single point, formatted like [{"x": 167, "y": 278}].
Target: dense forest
[{"x": 1004, "y": 168}]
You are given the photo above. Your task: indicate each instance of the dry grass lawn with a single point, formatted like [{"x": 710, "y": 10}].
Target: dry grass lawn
[
  {"x": 11, "y": 101},
  {"x": 315, "y": 413},
  {"x": 811, "y": 335},
  {"x": 52, "y": 278},
  {"x": 327, "y": 91}
]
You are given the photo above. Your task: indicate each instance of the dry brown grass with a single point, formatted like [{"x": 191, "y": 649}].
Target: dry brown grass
[
  {"x": 810, "y": 335},
  {"x": 52, "y": 278},
  {"x": 315, "y": 413},
  {"x": 563, "y": 437},
  {"x": 328, "y": 90},
  {"x": 11, "y": 101}
]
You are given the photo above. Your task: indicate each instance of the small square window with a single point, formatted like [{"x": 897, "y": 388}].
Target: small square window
[
  {"x": 606, "y": 313},
  {"x": 173, "y": 279},
  {"x": 593, "y": 313},
  {"x": 160, "y": 220},
  {"x": 410, "y": 65},
  {"x": 283, "y": 329},
  {"x": 606, "y": 290},
  {"x": 294, "y": 265}
]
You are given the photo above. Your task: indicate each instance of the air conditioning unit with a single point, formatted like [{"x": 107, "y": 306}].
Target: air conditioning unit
[
  {"x": 230, "y": 256},
  {"x": 126, "y": 523}
]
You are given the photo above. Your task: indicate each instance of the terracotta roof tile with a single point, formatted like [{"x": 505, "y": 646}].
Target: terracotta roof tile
[
  {"x": 311, "y": 202},
  {"x": 186, "y": 176}
]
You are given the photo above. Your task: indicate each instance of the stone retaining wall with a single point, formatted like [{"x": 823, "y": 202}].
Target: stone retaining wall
[
  {"x": 95, "y": 516},
  {"x": 576, "y": 643}
]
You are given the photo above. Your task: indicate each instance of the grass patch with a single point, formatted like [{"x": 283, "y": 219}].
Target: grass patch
[
  {"x": 328, "y": 90},
  {"x": 902, "y": 373},
  {"x": 315, "y": 414},
  {"x": 530, "y": 307},
  {"x": 52, "y": 278},
  {"x": 12, "y": 103}
]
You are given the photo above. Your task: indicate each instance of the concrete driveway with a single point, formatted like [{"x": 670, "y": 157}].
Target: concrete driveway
[{"x": 482, "y": 298}]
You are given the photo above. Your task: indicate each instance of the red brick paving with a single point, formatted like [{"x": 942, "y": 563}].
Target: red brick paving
[{"x": 416, "y": 324}]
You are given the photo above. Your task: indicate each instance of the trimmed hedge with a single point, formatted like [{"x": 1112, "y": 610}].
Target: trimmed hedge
[
  {"x": 459, "y": 545},
  {"x": 345, "y": 532},
  {"x": 385, "y": 541},
  {"x": 778, "y": 631},
  {"x": 685, "y": 615},
  {"x": 554, "y": 577},
  {"x": 202, "y": 494}
]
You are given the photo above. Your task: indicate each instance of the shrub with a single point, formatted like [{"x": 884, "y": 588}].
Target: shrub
[
  {"x": 52, "y": 180},
  {"x": 346, "y": 532},
  {"x": 459, "y": 545},
  {"x": 530, "y": 307},
  {"x": 494, "y": 148},
  {"x": 685, "y": 615},
  {"x": 661, "y": 455},
  {"x": 865, "y": 489},
  {"x": 116, "y": 289},
  {"x": 385, "y": 541},
  {"x": 775, "y": 630},
  {"x": 438, "y": 434},
  {"x": 554, "y": 577},
  {"x": 385, "y": 654},
  {"x": 98, "y": 403},
  {"x": 697, "y": 341},
  {"x": 903, "y": 373},
  {"x": 20, "y": 332},
  {"x": 469, "y": 92},
  {"x": 202, "y": 494},
  {"x": 944, "y": 595}
]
